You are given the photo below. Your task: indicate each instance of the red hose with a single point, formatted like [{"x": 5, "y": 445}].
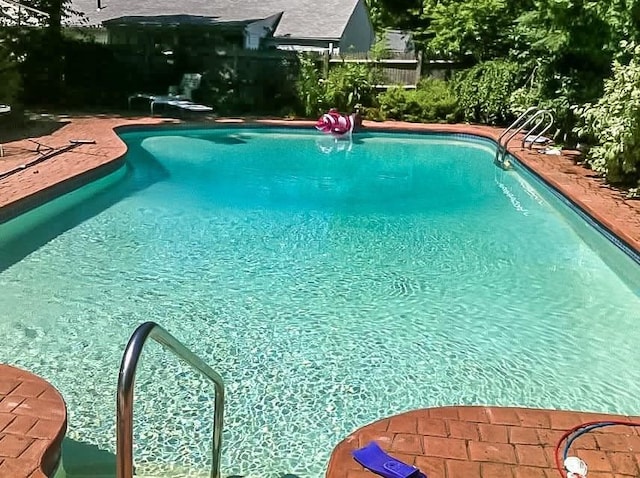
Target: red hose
[{"x": 570, "y": 432}]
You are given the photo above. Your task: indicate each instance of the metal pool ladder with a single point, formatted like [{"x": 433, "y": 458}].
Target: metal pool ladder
[
  {"x": 532, "y": 118},
  {"x": 124, "y": 414}
]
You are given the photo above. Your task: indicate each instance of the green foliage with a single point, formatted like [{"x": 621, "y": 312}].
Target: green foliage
[
  {"x": 40, "y": 46},
  {"x": 398, "y": 14},
  {"x": 484, "y": 91},
  {"x": 614, "y": 121},
  {"x": 567, "y": 45},
  {"x": 375, "y": 14},
  {"x": 9, "y": 77},
  {"x": 380, "y": 49},
  {"x": 476, "y": 28},
  {"x": 309, "y": 87},
  {"x": 432, "y": 101},
  {"x": 346, "y": 85},
  {"x": 52, "y": 47},
  {"x": 262, "y": 84},
  {"x": 349, "y": 84}
]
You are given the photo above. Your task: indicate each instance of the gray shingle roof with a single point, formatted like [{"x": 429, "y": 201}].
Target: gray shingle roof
[
  {"x": 300, "y": 19},
  {"x": 399, "y": 41}
]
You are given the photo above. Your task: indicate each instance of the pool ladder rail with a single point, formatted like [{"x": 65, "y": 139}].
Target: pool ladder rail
[
  {"x": 533, "y": 118},
  {"x": 124, "y": 413}
]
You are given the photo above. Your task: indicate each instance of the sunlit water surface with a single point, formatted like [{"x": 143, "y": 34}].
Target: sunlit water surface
[{"x": 329, "y": 283}]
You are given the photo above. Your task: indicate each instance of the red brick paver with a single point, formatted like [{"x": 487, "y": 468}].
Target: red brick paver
[
  {"x": 33, "y": 185},
  {"x": 33, "y": 421},
  {"x": 513, "y": 450}
]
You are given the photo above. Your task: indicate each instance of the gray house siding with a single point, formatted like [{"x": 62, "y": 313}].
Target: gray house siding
[
  {"x": 359, "y": 34},
  {"x": 256, "y": 32}
]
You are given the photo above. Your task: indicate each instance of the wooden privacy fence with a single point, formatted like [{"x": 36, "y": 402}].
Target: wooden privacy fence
[{"x": 400, "y": 69}]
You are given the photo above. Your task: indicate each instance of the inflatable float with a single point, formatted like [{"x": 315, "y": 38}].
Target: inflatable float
[{"x": 336, "y": 123}]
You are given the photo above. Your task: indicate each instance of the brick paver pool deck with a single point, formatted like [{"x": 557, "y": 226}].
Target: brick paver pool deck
[
  {"x": 492, "y": 442},
  {"x": 448, "y": 442},
  {"x": 33, "y": 421}
]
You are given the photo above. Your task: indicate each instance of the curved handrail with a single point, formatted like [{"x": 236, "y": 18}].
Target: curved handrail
[
  {"x": 539, "y": 113},
  {"x": 519, "y": 123},
  {"x": 516, "y": 122},
  {"x": 126, "y": 378},
  {"x": 523, "y": 121},
  {"x": 541, "y": 133}
]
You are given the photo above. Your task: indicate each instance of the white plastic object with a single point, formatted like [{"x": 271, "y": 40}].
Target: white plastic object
[{"x": 575, "y": 467}]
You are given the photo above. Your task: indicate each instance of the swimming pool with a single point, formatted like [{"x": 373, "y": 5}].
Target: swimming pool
[{"x": 330, "y": 284}]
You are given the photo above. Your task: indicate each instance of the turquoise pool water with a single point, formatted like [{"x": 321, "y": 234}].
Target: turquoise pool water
[{"x": 330, "y": 284}]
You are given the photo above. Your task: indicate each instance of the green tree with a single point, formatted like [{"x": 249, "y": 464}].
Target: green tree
[
  {"x": 399, "y": 14},
  {"x": 9, "y": 76},
  {"x": 484, "y": 91},
  {"x": 614, "y": 122},
  {"x": 309, "y": 86},
  {"x": 472, "y": 28},
  {"x": 40, "y": 50},
  {"x": 567, "y": 47},
  {"x": 53, "y": 48}
]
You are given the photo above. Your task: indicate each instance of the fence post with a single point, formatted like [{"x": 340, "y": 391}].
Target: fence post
[
  {"x": 418, "y": 68},
  {"x": 326, "y": 57}
]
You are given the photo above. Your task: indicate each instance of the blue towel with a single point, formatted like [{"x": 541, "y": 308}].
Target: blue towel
[{"x": 375, "y": 459}]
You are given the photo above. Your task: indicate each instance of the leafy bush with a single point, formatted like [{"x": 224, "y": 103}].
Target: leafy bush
[
  {"x": 614, "y": 122},
  {"x": 556, "y": 92},
  {"x": 476, "y": 28},
  {"x": 309, "y": 87},
  {"x": 346, "y": 85},
  {"x": 9, "y": 77},
  {"x": 432, "y": 101},
  {"x": 349, "y": 84},
  {"x": 484, "y": 91}
]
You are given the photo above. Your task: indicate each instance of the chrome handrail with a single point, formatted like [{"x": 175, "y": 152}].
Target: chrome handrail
[
  {"x": 519, "y": 123},
  {"x": 524, "y": 120},
  {"x": 516, "y": 122},
  {"x": 539, "y": 113},
  {"x": 541, "y": 133},
  {"x": 126, "y": 378}
]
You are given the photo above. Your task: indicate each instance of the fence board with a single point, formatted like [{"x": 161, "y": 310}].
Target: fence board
[{"x": 402, "y": 69}]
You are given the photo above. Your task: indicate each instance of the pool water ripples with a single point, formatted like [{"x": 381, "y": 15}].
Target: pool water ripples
[{"x": 329, "y": 290}]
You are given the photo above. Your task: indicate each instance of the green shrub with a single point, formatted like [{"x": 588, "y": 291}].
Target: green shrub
[
  {"x": 9, "y": 77},
  {"x": 484, "y": 91},
  {"x": 349, "y": 84},
  {"x": 309, "y": 87},
  {"x": 432, "y": 101},
  {"x": 346, "y": 85},
  {"x": 614, "y": 122}
]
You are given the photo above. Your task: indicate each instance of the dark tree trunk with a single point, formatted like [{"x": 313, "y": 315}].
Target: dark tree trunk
[{"x": 54, "y": 49}]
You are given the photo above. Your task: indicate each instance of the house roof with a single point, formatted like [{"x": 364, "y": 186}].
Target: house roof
[
  {"x": 300, "y": 18},
  {"x": 399, "y": 41}
]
